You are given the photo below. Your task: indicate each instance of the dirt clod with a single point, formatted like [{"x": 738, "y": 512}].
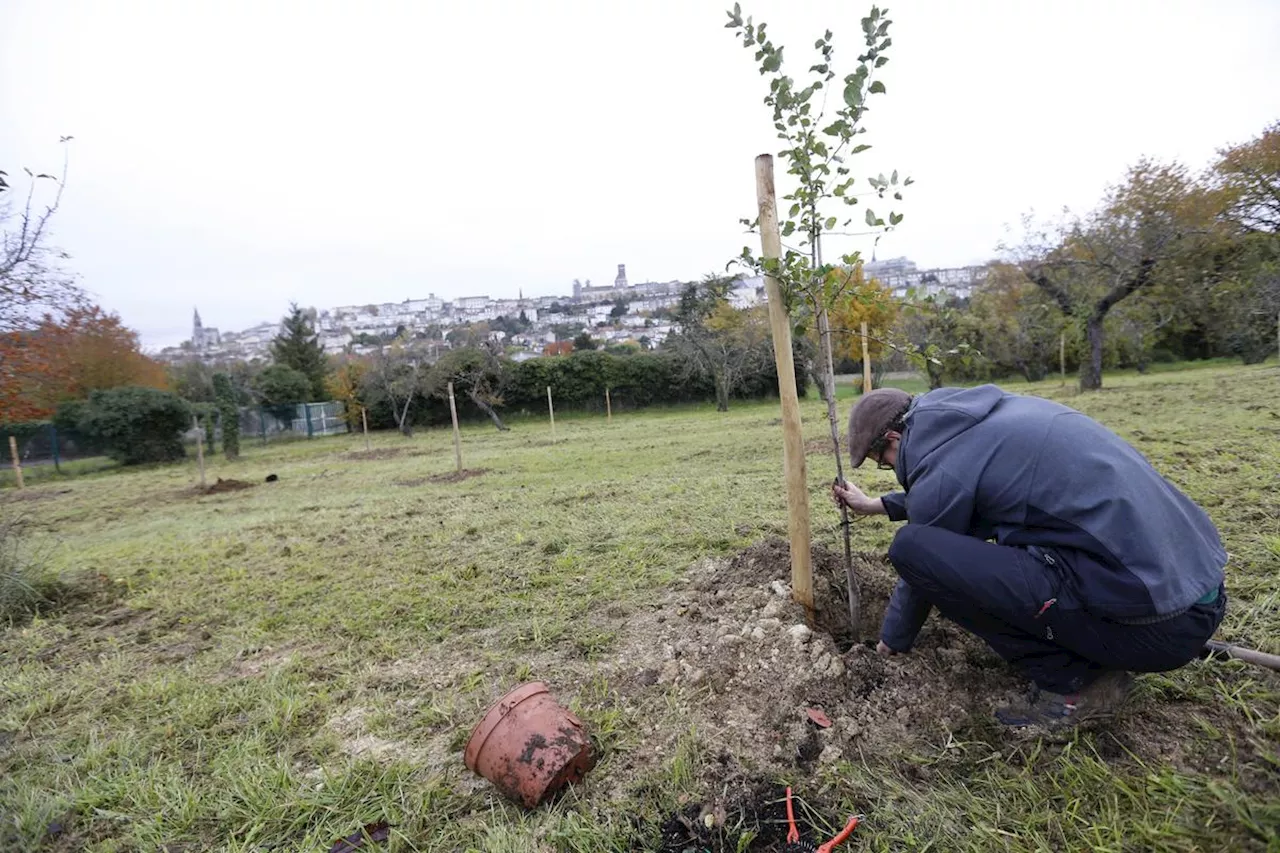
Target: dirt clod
[{"x": 225, "y": 486}]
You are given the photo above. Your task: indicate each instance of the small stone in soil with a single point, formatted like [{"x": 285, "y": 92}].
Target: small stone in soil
[{"x": 799, "y": 634}]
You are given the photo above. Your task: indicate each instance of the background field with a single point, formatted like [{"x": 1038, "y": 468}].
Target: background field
[{"x": 272, "y": 667}]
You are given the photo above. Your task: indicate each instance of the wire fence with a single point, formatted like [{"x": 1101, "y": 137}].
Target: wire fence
[
  {"x": 45, "y": 444},
  {"x": 305, "y": 420},
  {"x": 44, "y": 450}
]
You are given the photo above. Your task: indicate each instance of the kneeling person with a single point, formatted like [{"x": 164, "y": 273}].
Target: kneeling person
[{"x": 1044, "y": 533}]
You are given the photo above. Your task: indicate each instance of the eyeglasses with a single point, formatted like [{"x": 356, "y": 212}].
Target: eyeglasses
[{"x": 875, "y": 451}]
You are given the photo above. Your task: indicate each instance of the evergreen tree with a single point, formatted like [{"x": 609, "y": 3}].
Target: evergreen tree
[
  {"x": 298, "y": 346},
  {"x": 225, "y": 394}
]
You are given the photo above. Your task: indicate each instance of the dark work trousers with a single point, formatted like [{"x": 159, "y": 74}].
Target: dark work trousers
[{"x": 998, "y": 592}]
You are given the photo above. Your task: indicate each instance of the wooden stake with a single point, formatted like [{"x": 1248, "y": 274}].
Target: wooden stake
[
  {"x": 866, "y": 362},
  {"x": 364, "y": 420},
  {"x": 792, "y": 438},
  {"x": 199, "y": 448},
  {"x": 552, "y": 411},
  {"x": 17, "y": 466},
  {"x": 608, "y": 406},
  {"x": 457, "y": 436}
]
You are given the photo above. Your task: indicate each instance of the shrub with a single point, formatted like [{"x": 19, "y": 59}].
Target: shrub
[
  {"x": 137, "y": 425},
  {"x": 281, "y": 385}
]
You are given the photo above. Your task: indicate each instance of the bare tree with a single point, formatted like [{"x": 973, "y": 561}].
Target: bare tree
[
  {"x": 395, "y": 371},
  {"x": 717, "y": 340},
  {"x": 31, "y": 285}
]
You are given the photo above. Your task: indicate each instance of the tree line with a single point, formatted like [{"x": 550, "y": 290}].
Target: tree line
[{"x": 1170, "y": 265}]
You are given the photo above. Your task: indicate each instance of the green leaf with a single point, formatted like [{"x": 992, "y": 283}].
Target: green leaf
[
  {"x": 788, "y": 228},
  {"x": 871, "y": 218},
  {"x": 893, "y": 179},
  {"x": 881, "y": 60},
  {"x": 895, "y": 218},
  {"x": 773, "y": 62},
  {"x": 876, "y": 88},
  {"x": 830, "y": 223},
  {"x": 853, "y": 94},
  {"x": 858, "y": 149},
  {"x": 795, "y": 211}
]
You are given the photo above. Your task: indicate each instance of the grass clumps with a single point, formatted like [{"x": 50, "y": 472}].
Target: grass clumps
[{"x": 27, "y": 586}]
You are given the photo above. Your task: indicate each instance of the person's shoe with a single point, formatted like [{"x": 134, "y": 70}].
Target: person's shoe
[{"x": 1057, "y": 710}]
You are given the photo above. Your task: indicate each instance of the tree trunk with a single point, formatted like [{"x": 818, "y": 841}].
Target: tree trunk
[
  {"x": 1091, "y": 367},
  {"x": 935, "y": 376},
  {"x": 722, "y": 393},
  {"x": 828, "y": 385},
  {"x": 488, "y": 410},
  {"x": 402, "y": 418},
  {"x": 819, "y": 379}
]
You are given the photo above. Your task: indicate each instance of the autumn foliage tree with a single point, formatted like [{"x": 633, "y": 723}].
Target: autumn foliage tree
[
  {"x": 857, "y": 300},
  {"x": 68, "y": 358},
  {"x": 1135, "y": 240}
]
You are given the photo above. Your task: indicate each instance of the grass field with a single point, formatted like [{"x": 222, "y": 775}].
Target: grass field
[{"x": 271, "y": 668}]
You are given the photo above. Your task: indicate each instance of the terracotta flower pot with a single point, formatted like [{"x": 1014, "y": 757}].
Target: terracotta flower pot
[{"x": 528, "y": 746}]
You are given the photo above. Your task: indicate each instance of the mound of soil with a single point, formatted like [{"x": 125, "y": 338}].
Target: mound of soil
[
  {"x": 824, "y": 445},
  {"x": 736, "y": 637},
  {"x": 380, "y": 453},
  {"x": 225, "y": 486},
  {"x": 457, "y": 476}
]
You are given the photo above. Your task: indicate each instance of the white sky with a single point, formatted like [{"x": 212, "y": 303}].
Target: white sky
[{"x": 238, "y": 154}]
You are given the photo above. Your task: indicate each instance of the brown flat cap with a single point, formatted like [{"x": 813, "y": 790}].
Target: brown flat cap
[{"x": 870, "y": 419}]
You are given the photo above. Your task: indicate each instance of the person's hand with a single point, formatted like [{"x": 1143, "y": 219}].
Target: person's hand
[
  {"x": 857, "y": 501},
  {"x": 883, "y": 650}
]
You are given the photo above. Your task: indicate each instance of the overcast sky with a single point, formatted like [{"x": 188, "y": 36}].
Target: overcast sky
[{"x": 238, "y": 154}]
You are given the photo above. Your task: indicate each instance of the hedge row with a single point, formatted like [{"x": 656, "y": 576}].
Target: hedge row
[{"x": 578, "y": 382}]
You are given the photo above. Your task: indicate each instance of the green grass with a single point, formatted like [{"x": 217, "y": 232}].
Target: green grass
[
  {"x": 47, "y": 472},
  {"x": 272, "y": 668}
]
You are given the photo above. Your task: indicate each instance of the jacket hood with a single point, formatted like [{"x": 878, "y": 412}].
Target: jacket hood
[{"x": 937, "y": 418}]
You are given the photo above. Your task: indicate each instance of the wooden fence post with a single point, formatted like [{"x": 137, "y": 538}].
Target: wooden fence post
[
  {"x": 364, "y": 421},
  {"x": 17, "y": 465},
  {"x": 792, "y": 437},
  {"x": 457, "y": 436},
  {"x": 551, "y": 409},
  {"x": 199, "y": 448},
  {"x": 866, "y": 360},
  {"x": 608, "y": 406}
]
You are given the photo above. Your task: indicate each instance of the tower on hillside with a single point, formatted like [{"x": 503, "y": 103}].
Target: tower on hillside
[
  {"x": 621, "y": 281},
  {"x": 202, "y": 338}
]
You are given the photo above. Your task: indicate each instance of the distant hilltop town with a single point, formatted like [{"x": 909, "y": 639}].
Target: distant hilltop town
[{"x": 617, "y": 313}]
